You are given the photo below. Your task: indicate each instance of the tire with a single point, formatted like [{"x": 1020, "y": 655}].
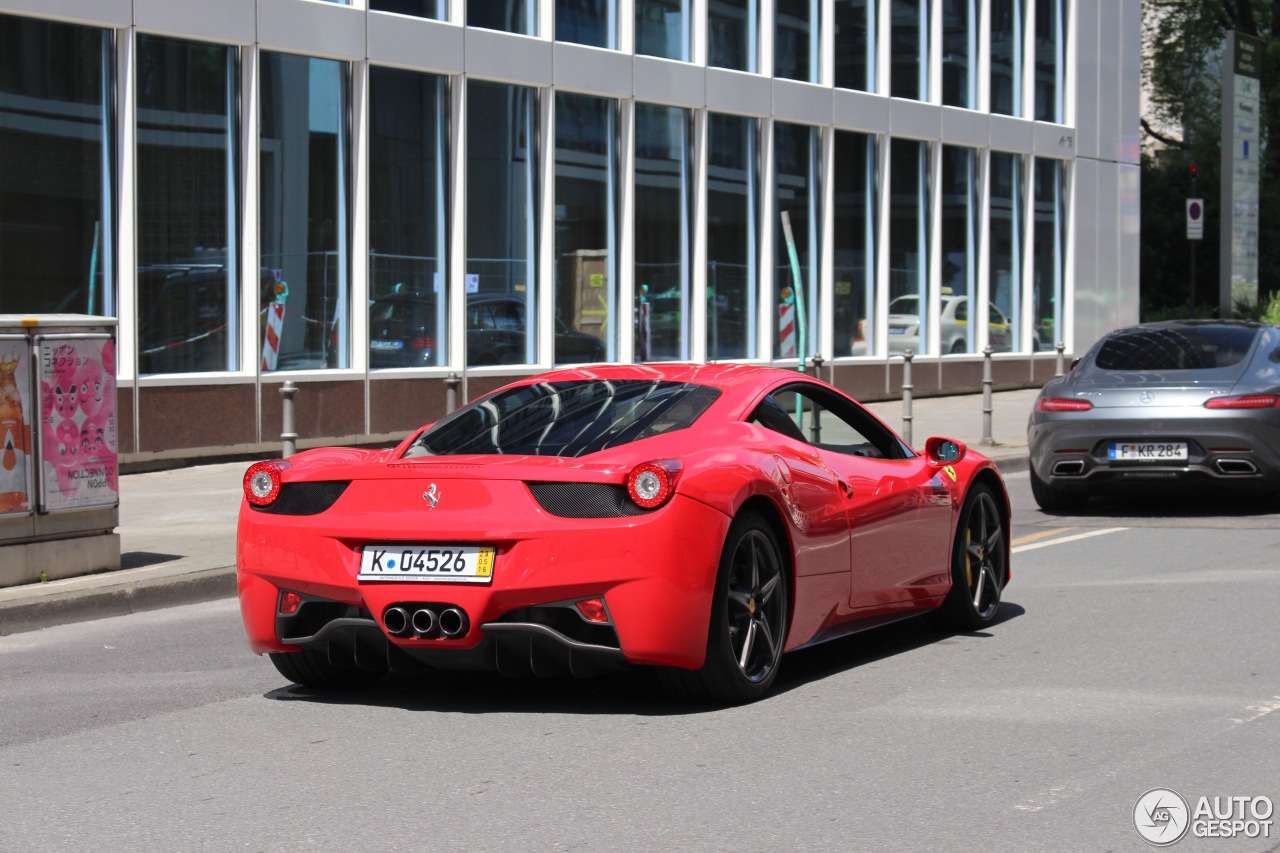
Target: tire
[
  {"x": 1053, "y": 498},
  {"x": 313, "y": 669},
  {"x": 749, "y": 612},
  {"x": 979, "y": 562},
  {"x": 959, "y": 347}
]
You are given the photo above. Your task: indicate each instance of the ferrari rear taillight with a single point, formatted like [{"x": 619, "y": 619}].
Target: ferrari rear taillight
[
  {"x": 262, "y": 483},
  {"x": 1062, "y": 404},
  {"x": 651, "y": 484},
  {"x": 1248, "y": 401},
  {"x": 289, "y": 602}
]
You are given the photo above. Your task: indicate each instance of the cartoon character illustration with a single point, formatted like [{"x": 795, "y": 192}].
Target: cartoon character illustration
[
  {"x": 62, "y": 450},
  {"x": 13, "y": 440},
  {"x": 61, "y": 391},
  {"x": 88, "y": 385}
]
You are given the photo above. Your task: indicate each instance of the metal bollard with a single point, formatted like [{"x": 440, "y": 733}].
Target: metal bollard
[
  {"x": 906, "y": 396},
  {"x": 289, "y": 435},
  {"x": 818, "y": 361},
  {"x": 1061, "y": 349},
  {"x": 451, "y": 384},
  {"x": 987, "y": 440}
]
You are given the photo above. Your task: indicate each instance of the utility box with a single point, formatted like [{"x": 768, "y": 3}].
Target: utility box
[{"x": 59, "y": 481}]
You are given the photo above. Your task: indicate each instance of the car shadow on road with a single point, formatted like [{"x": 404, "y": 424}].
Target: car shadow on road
[
  {"x": 858, "y": 650},
  {"x": 631, "y": 694}
]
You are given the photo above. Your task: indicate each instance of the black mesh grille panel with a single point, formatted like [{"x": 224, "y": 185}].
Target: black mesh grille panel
[
  {"x": 305, "y": 498},
  {"x": 584, "y": 500}
]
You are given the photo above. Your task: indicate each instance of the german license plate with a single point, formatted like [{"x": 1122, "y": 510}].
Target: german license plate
[
  {"x": 376, "y": 344},
  {"x": 426, "y": 563},
  {"x": 1149, "y": 451},
  {"x": 897, "y": 330}
]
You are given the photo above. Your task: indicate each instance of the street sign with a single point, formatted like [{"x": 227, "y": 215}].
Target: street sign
[{"x": 1195, "y": 219}]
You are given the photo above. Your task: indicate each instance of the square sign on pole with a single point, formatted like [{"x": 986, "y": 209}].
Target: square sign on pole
[{"x": 1195, "y": 219}]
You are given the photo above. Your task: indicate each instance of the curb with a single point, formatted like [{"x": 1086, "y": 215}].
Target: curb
[{"x": 38, "y": 612}]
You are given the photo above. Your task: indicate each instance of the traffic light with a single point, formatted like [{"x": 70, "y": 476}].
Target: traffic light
[{"x": 1195, "y": 171}]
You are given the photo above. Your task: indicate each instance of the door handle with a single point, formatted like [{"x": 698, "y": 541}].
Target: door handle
[{"x": 846, "y": 488}]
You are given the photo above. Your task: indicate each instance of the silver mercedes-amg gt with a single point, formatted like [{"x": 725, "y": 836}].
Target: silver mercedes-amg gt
[{"x": 1180, "y": 404}]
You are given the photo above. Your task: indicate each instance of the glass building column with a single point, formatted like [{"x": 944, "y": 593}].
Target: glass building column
[
  {"x": 732, "y": 244},
  {"x": 502, "y": 270},
  {"x": 1005, "y": 250}
]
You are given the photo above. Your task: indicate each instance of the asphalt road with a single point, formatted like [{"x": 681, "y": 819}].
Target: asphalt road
[{"x": 1137, "y": 649}]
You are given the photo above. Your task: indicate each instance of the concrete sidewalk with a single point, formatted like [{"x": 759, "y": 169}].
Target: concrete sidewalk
[{"x": 178, "y": 527}]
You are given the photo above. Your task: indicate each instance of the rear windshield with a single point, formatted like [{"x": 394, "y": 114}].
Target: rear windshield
[
  {"x": 566, "y": 418},
  {"x": 1176, "y": 348}
]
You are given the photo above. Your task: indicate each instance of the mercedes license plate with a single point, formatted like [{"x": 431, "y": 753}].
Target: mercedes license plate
[
  {"x": 426, "y": 563},
  {"x": 1148, "y": 451}
]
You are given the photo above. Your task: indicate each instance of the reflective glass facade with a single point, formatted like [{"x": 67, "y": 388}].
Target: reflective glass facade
[
  {"x": 855, "y": 40},
  {"x": 304, "y": 197},
  {"x": 796, "y": 160},
  {"x": 408, "y": 276},
  {"x": 186, "y": 206},
  {"x": 855, "y": 241},
  {"x": 589, "y": 22},
  {"x": 1048, "y": 259},
  {"x": 795, "y": 42},
  {"x": 512, "y": 16},
  {"x": 437, "y": 9},
  {"x": 732, "y": 203},
  {"x": 586, "y": 228},
  {"x": 909, "y": 246},
  {"x": 502, "y": 269},
  {"x": 56, "y": 129},
  {"x": 959, "y": 53},
  {"x": 1006, "y": 56},
  {"x": 733, "y": 34},
  {"x": 1005, "y": 239},
  {"x": 909, "y": 49},
  {"x": 468, "y": 188},
  {"x": 663, "y": 215},
  {"x": 959, "y": 250},
  {"x": 1050, "y": 48},
  {"x": 662, "y": 28}
]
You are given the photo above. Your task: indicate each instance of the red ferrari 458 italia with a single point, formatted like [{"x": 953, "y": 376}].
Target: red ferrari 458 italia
[{"x": 701, "y": 519}]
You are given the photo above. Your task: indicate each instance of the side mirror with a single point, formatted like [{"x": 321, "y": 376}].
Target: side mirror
[
  {"x": 944, "y": 451},
  {"x": 1074, "y": 362}
]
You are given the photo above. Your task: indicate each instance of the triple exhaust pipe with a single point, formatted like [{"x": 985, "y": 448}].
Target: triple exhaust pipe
[{"x": 423, "y": 622}]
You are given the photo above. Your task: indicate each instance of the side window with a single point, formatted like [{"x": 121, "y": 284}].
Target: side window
[
  {"x": 814, "y": 415},
  {"x": 962, "y": 311},
  {"x": 995, "y": 318}
]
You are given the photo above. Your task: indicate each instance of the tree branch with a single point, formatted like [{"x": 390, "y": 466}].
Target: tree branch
[{"x": 1171, "y": 142}]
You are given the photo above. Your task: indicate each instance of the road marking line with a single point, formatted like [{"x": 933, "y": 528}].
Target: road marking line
[
  {"x": 1260, "y": 711},
  {"x": 1064, "y": 540},
  {"x": 1043, "y": 534}
]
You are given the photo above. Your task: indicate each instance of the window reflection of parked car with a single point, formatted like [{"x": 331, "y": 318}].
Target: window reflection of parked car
[
  {"x": 904, "y": 327},
  {"x": 402, "y": 331}
]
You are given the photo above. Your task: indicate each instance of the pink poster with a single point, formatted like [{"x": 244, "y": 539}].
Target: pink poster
[
  {"x": 78, "y": 434},
  {"x": 15, "y": 424}
]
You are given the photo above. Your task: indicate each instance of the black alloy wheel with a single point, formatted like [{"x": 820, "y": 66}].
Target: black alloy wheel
[
  {"x": 1055, "y": 498},
  {"x": 748, "y": 619},
  {"x": 979, "y": 562}
]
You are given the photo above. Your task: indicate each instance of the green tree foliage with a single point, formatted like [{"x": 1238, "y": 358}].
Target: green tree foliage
[{"x": 1181, "y": 72}]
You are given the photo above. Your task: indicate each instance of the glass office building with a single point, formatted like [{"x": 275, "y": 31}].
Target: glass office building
[{"x": 497, "y": 187}]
